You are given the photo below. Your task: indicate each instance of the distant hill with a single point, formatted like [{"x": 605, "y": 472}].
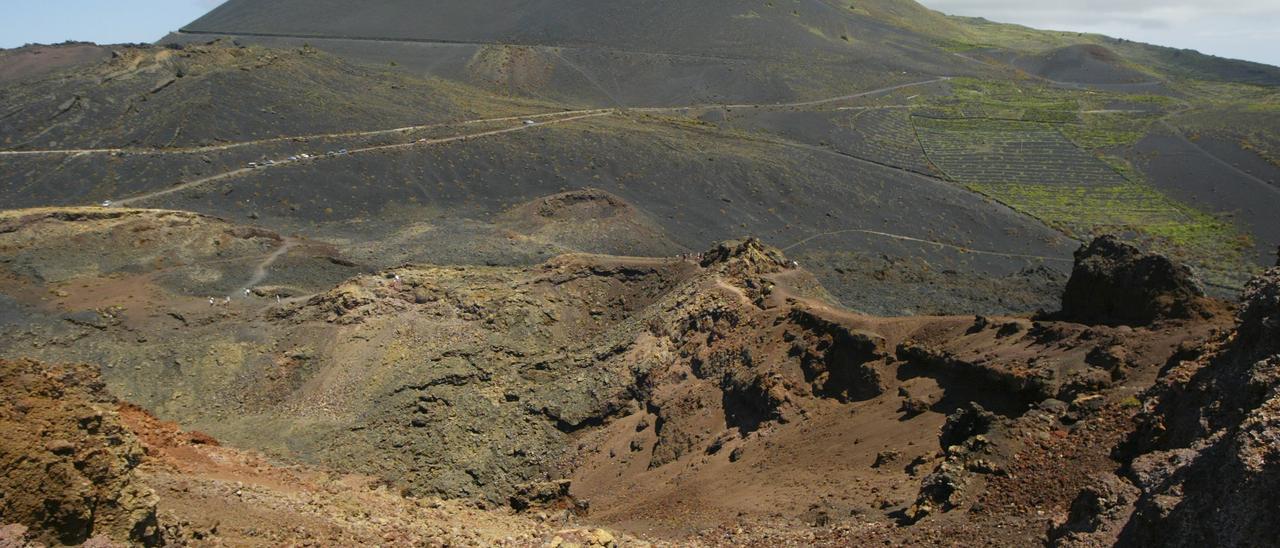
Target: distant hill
[
  {"x": 729, "y": 28},
  {"x": 649, "y": 52},
  {"x": 613, "y": 51}
]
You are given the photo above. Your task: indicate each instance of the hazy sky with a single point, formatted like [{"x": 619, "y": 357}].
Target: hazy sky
[
  {"x": 1241, "y": 29},
  {"x": 102, "y": 21},
  {"x": 1244, "y": 29}
]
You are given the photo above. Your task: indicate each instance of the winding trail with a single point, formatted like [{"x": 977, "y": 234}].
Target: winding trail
[
  {"x": 261, "y": 271},
  {"x": 529, "y": 121},
  {"x": 407, "y": 129},
  {"x": 526, "y": 122},
  {"x": 797, "y": 104},
  {"x": 420, "y": 142},
  {"x": 900, "y": 237},
  {"x": 240, "y": 144}
]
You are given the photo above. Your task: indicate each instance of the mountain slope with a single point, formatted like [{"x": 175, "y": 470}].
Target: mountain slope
[
  {"x": 610, "y": 52},
  {"x": 209, "y": 94},
  {"x": 729, "y": 28}
]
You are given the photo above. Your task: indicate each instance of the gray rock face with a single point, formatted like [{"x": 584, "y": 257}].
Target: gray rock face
[
  {"x": 1206, "y": 456},
  {"x": 1095, "y": 512},
  {"x": 1260, "y": 314},
  {"x": 1115, "y": 283}
]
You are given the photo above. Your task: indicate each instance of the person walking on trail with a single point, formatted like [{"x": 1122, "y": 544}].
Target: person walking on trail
[
  {"x": 211, "y": 301},
  {"x": 247, "y": 293}
]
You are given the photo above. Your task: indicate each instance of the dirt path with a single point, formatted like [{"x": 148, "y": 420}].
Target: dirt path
[
  {"x": 900, "y": 237},
  {"x": 261, "y": 272},
  {"x": 407, "y": 129},
  {"x": 557, "y": 118},
  {"x": 240, "y": 144},
  {"x": 238, "y": 172},
  {"x": 798, "y": 104}
]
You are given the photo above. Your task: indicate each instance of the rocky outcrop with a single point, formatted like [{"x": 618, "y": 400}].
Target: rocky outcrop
[
  {"x": 1095, "y": 516},
  {"x": 746, "y": 254},
  {"x": 966, "y": 450},
  {"x": 68, "y": 464},
  {"x": 1206, "y": 456},
  {"x": 1115, "y": 283},
  {"x": 838, "y": 361},
  {"x": 547, "y": 495}
]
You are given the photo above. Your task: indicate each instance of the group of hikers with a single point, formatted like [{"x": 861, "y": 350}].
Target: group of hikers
[
  {"x": 691, "y": 257},
  {"x": 248, "y": 293}
]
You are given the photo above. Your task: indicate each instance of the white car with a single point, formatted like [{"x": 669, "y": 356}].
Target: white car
[
  {"x": 529, "y": 122},
  {"x": 106, "y": 203}
]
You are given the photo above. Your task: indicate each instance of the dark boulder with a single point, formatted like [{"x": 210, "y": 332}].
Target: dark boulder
[
  {"x": 1097, "y": 512},
  {"x": 1205, "y": 456},
  {"x": 1259, "y": 330},
  {"x": 1115, "y": 283},
  {"x": 546, "y": 495}
]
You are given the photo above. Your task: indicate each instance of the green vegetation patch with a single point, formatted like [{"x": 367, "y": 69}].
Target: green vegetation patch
[
  {"x": 1213, "y": 245},
  {"x": 1033, "y": 167},
  {"x": 1090, "y": 119},
  {"x": 1007, "y": 99},
  {"x": 1004, "y": 151}
]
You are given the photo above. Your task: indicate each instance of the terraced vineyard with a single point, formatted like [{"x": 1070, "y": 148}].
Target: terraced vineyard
[
  {"x": 972, "y": 98},
  {"x": 885, "y": 135},
  {"x": 1105, "y": 129},
  {"x": 1000, "y": 151},
  {"x": 1033, "y": 168}
]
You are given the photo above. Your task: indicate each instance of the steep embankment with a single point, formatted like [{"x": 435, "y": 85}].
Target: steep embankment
[
  {"x": 1203, "y": 463},
  {"x": 671, "y": 394},
  {"x": 81, "y": 467}
]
